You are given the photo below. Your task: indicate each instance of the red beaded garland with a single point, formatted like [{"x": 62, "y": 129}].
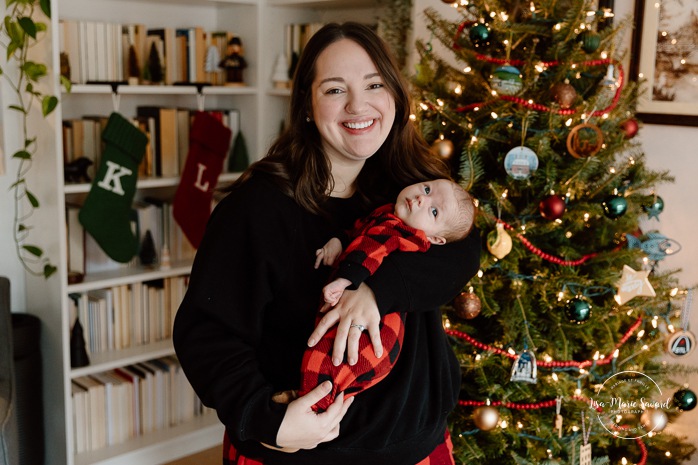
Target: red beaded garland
[
  {"x": 538, "y": 106},
  {"x": 554, "y": 363}
]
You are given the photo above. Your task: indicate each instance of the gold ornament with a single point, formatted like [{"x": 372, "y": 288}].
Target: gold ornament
[
  {"x": 443, "y": 148},
  {"x": 654, "y": 420},
  {"x": 499, "y": 242},
  {"x": 486, "y": 417},
  {"x": 633, "y": 284}
]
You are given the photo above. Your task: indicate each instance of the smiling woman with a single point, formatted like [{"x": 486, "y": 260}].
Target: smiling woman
[
  {"x": 351, "y": 108},
  {"x": 251, "y": 305}
]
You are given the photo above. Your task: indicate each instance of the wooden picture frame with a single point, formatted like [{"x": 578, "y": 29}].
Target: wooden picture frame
[{"x": 664, "y": 60}]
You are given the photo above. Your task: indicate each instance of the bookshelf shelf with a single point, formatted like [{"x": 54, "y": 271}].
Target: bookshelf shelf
[
  {"x": 146, "y": 183},
  {"x": 160, "y": 446},
  {"x": 279, "y": 92},
  {"x": 159, "y": 90},
  {"x": 117, "y": 358},
  {"x": 128, "y": 275}
]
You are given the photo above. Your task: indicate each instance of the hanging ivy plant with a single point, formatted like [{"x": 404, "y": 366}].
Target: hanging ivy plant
[{"x": 20, "y": 31}]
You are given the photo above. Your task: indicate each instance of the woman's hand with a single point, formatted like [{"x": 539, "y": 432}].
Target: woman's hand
[
  {"x": 356, "y": 310},
  {"x": 302, "y": 428}
]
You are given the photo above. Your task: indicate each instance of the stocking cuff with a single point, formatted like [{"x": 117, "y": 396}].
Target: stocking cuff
[
  {"x": 209, "y": 132},
  {"x": 123, "y": 134}
]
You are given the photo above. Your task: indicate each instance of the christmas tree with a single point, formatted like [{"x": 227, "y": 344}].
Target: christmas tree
[{"x": 563, "y": 335}]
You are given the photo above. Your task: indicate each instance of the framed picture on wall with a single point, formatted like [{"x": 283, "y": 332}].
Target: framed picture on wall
[{"x": 665, "y": 59}]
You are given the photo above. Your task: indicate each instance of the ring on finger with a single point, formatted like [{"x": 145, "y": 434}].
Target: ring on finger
[{"x": 361, "y": 328}]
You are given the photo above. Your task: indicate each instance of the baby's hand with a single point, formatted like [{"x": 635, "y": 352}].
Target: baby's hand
[
  {"x": 328, "y": 253},
  {"x": 333, "y": 291}
]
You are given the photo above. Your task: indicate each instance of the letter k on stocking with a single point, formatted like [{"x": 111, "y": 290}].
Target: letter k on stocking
[{"x": 106, "y": 213}]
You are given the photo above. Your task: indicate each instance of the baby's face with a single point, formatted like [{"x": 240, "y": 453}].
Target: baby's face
[{"x": 430, "y": 206}]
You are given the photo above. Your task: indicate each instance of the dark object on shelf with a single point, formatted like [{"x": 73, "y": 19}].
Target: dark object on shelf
[
  {"x": 65, "y": 65},
  {"x": 76, "y": 170},
  {"x": 239, "y": 159},
  {"x": 9, "y": 448},
  {"x": 78, "y": 352},
  {"x": 26, "y": 336},
  {"x": 148, "y": 255},
  {"x": 233, "y": 63}
]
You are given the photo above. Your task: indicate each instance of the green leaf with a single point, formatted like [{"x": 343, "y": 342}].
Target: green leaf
[
  {"x": 49, "y": 270},
  {"x": 45, "y": 7},
  {"x": 17, "y": 183},
  {"x": 11, "y": 48},
  {"x": 48, "y": 104},
  {"x": 21, "y": 228},
  {"x": 65, "y": 82},
  {"x": 15, "y": 32},
  {"x": 41, "y": 27},
  {"x": 28, "y": 26},
  {"x": 34, "y": 250},
  {"x": 22, "y": 154},
  {"x": 17, "y": 108},
  {"x": 34, "y": 70},
  {"x": 32, "y": 199}
]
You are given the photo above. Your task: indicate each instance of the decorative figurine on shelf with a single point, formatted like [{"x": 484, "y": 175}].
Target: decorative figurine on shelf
[
  {"x": 233, "y": 63},
  {"x": 78, "y": 352},
  {"x": 280, "y": 77},
  {"x": 76, "y": 170}
]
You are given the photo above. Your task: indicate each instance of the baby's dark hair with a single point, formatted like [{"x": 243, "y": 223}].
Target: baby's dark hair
[{"x": 465, "y": 215}]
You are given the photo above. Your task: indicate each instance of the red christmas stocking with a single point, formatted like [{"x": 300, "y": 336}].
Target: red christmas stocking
[{"x": 208, "y": 144}]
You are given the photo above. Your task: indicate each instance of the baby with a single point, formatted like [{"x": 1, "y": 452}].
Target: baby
[{"x": 427, "y": 213}]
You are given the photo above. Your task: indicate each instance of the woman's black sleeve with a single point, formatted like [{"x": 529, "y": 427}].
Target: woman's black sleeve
[
  {"x": 219, "y": 323},
  {"x": 420, "y": 281}
]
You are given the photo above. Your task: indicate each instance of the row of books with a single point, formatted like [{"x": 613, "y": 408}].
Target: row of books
[
  {"x": 160, "y": 238},
  {"x": 115, "y": 406},
  {"x": 95, "y": 51},
  {"x": 296, "y": 35},
  {"x": 128, "y": 315},
  {"x": 167, "y": 129}
]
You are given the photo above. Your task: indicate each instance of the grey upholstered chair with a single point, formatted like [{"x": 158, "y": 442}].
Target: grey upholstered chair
[{"x": 9, "y": 448}]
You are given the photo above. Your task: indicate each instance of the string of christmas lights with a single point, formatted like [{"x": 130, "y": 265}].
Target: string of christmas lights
[
  {"x": 552, "y": 363},
  {"x": 540, "y": 405}
]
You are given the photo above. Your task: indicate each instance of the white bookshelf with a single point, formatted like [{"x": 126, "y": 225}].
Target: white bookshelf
[{"x": 260, "y": 24}]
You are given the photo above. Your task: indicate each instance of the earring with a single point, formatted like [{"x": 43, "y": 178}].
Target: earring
[{"x": 307, "y": 119}]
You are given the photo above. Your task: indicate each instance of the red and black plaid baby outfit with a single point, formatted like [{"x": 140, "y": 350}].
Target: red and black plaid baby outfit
[{"x": 375, "y": 236}]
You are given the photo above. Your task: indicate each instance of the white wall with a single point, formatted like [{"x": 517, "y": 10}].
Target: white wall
[
  {"x": 9, "y": 264},
  {"x": 667, "y": 147},
  {"x": 674, "y": 148}
]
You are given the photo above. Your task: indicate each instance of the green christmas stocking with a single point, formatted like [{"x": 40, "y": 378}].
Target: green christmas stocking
[{"x": 107, "y": 209}]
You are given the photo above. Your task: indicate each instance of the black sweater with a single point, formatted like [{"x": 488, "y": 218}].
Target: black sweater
[{"x": 250, "y": 307}]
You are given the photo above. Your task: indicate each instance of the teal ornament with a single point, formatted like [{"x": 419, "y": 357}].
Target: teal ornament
[
  {"x": 577, "y": 310},
  {"x": 685, "y": 399},
  {"x": 590, "y": 41},
  {"x": 655, "y": 208},
  {"x": 615, "y": 206},
  {"x": 655, "y": 245},
  {"x": 480, "y": 35},
  {"x": 506, "y": 80}
]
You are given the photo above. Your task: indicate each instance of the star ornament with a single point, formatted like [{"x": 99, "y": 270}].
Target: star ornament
[{"x": 633, "y": 284}]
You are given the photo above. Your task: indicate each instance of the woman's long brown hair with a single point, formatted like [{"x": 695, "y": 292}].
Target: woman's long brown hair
[{"x": 296, "y": 160}]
